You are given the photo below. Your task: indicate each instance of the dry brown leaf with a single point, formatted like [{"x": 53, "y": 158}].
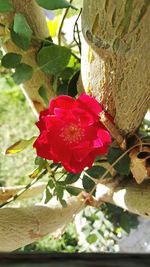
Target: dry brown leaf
[{"x": 140, "y": 163}]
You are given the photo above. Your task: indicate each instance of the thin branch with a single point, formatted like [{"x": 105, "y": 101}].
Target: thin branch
[
  {"x": 64, "y": 15},
  {"x": 16, "y": 196},
  {"x": 113, "y": 131},
  {"x": 76, "y": 29}
]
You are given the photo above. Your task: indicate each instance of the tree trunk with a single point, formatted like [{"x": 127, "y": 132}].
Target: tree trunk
[{"x": 115, "y": 63}]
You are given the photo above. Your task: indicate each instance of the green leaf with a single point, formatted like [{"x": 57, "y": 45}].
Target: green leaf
[
  {"x": 88, "y": 184},
  {"x": 63, "y": 203},
  {"x": 48, "y": 196},
  {"x": 23, "y": 73},
  {"x": 35, "y": 173},
  {"x": 51, "y": 184},
  {"x": 19, "y": 40},
  {"x": 96, "y": 172},
  {"x": 6, "y": 6},
  {"x": 21, "y": 33},
  {"x": 54, "y": 4},
  {"x": 67, "y": 73},
  {"x": 123, "y": 166},
  {"x": 39, "y": 161},
  {"x": 11, "y": 60},
  {"x": 92, "y": 238},
  {"x": 72, "y": 178},
  {"x": 53, "y": 59},
  {"x": 59, "y": 191},
  {"x": 21, "y": 26},
  {"x": 74, "y": 191},
  {"x": 20, "y": 146},
  {"x": 43, "y": 93}
]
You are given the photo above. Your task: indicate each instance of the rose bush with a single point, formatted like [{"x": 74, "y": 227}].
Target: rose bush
[{"x": 71, "y": 133}]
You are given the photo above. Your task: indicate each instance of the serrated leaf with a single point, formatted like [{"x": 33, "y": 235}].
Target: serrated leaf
[
  {"x": 20, "y": 146},
  {"x": 92, "y": 238},
  {"x": 6, "y": 6},
  {"x": 53, "y": 59},
  {"x": 48, "y": 196},
  {"x": 43, "y": 93},
  {"x": 97, "y": 172},
  {"x": 11, "y": 60},
  {"x": 72, "y": 178},
  {"x": 54, "y": 4},
  {"x": 123, "y": 166},
  {"x": 74, "y": 191},
  {"x": 23, "y": 73},
  {"x": 88, "y": 184}
]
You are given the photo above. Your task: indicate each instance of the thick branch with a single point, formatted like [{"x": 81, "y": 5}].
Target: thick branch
[
  {"x": 22, "y": 226},
  {"x": 36, "y": 19},
  {"x": 129, "y": 195}
]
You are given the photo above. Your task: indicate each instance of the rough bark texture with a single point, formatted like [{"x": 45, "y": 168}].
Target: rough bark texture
[
  {"x": 115, "y": 67},
  {"x": 22, "y": 226},
  {"x": 36, "y": 19}
]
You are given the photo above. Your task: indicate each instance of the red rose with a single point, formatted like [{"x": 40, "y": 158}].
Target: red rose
[{"x": 71, "y": 133}]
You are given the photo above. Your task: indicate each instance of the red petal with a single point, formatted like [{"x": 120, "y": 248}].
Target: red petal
[
  {"x": 90, "y": 104},
  {"x": 62, "y": 102}
]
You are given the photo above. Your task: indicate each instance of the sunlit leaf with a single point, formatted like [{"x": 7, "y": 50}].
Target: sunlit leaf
[
  {"x": 92, "y": 238},
  {"x": 20, "y": 146}
]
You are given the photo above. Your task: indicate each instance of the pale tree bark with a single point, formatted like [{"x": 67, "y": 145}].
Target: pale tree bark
[
  {"x": 36, "y": 19},
  {"x": 115, "y": 63},
  {"x": 22, "y": 226},
  {"x": 115, "y": 69}
]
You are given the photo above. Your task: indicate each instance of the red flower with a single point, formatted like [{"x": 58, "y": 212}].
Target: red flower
[{"x": 71, "y": 133}]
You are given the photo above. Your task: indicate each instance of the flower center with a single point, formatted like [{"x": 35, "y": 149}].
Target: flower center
[{"x": 72, "y": 133}]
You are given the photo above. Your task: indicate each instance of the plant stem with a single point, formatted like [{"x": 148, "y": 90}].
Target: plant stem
[
  {"x": 23, "y": 190},
  {"x": 64, "y": 14}
]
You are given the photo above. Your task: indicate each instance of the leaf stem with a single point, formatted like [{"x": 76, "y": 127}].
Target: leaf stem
[{"x": 23, "y": 190}]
